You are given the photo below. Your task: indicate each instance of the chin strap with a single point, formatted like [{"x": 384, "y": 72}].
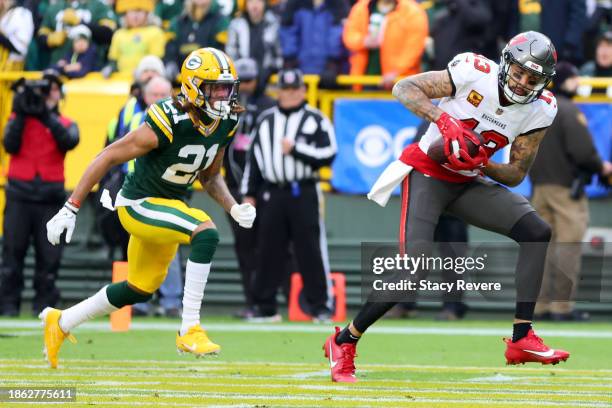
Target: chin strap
[{"x": 221, "y": 110}]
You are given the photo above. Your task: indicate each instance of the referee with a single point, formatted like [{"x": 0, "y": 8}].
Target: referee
[{"x": 291, "y": 142}]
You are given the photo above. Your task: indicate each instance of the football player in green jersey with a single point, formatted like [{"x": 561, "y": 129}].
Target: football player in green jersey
[{"x": 182, "y": 139}]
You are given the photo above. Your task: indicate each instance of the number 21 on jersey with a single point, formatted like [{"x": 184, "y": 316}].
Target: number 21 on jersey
[{"x": 185, "y": 173}]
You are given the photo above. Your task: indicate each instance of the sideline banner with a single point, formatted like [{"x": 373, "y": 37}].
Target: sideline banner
[{"x": 373, "y": 133}]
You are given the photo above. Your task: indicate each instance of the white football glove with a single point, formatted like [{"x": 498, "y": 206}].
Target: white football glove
[
  {"x": 244, "y": 214},
  {"x": 64, "y": 220}
]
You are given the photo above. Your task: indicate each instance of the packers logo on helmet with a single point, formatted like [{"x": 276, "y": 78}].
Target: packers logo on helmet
[{"x": 209, "y": 82}]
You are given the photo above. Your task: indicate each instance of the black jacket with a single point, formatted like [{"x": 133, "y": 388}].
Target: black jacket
[
  {"x": 38, "y": 190},
  {"x": 567, "y": 148},
  {"x": 472, "y": 25}
]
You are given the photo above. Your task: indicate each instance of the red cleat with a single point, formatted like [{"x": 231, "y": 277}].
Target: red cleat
[
  {"x": 341, "y": 359},
  {"x": 531, "y": 349}
]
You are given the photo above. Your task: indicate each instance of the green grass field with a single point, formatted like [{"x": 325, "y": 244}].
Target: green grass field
[{"x": 400, "y": 363}]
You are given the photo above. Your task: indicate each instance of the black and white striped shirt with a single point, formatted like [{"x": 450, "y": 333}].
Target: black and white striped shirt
[{"x": 315, "y": 146}]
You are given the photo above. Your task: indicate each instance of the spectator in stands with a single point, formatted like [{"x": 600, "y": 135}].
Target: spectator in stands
[
  {"x": 564, "y": 21},
  {"x": 255, "y": 35},
  {"x": 137, "y": 38},
  {"x": 311, "y": 37},
  {"x": 171, "y": 290},
  {"x": 529, "y": 12},
  {"x": 566, "y": 160},
  {"x": 166, "y": 10},
  {"x": 16, "y": 30},
  {"x": 386, "y": 37},
  {"x": 602, "y": 65},
  {"x": 37, "y": 137},
  {"x": 473, "y": 25},
  {"x": 255, "y": 101},
  {"x": 62, "y": 15},
  {"x": 202, "y": 25},
  {"x": 81, "y": 60},
  {"x": 231, "y": 8},
  {"x": 291, "y": 141},
  {"x": 37, "y": 58},
  {"x": 599, "y": 20}
]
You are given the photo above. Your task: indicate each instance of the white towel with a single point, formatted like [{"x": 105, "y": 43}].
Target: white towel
[{"x": 389, "y": 179}]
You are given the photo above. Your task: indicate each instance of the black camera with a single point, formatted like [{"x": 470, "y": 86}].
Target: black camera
[{"x": 30, "y": 96}]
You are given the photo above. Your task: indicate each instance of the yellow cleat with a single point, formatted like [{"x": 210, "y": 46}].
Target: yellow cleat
[
  {"x": 53, "y": 335},
  {"x": 195, "y": 341}
]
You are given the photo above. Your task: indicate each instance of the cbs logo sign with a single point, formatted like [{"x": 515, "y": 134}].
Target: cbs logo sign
[{"x": 375, "y": 146}]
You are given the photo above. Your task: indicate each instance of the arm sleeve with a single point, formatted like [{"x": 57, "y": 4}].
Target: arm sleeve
[
  {"x": 171, "y": 54},
  {"x": 579, "y": 143},
  {"x": 410, "y": 53},
  {"x": 334, "y": 44},
  {"x": 355, "y": 30},
  {"x": 289, "y": 32},
  {"x": 251, "y": 178},
  {"x": 576, "y": 22},
  {"x": 13, "y": 133},
  {"x": 66, "y": 137},
  {"x": 104, "y": 27},
  {"x": 113, "y": 51},
  {"x": 323, "y": 151},
  {"x": 221, "y": 32},
  {"x": 157, "y": 119},
  {"x": 19, "y": 30},
  {"x": 231, "y": 47},
  {"x": 46, "y": 28}
]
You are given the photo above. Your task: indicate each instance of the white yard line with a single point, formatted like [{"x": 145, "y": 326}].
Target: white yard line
[
  {"x": 193, "y": 363},
  {"x": 418, "y": 386},
  {"x": 404, "y": 400},
  {"x": 309, "y": 328}
]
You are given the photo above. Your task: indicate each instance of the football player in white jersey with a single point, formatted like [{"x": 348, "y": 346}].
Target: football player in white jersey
[{"x": 508, "y": 105}]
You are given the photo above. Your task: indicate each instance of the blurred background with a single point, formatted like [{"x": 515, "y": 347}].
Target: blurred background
[{"x": 104, "y": 52}]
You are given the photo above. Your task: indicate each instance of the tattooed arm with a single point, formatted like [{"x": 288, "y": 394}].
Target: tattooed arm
[
  {"x": 523, "y": 152},
  {"x": 213, "y": 182},
  {"x": 416, "y": 92}
]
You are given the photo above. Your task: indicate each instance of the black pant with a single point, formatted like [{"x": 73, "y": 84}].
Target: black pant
[
  {"x": 290, "y": 215},
  {"x": 245, "y": 240},
  {"x": 451, "y": 229},
  {"x": 448, "y": 231},
  {"x": 24, "y": 221}
]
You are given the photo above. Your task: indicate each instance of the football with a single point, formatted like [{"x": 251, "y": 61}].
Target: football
[{"x": 436, "y": 148}]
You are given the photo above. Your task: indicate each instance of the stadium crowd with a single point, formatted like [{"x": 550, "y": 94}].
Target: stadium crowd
[
  {"x": 324, "y": 37},
  {"x": 387, "y": 38}
]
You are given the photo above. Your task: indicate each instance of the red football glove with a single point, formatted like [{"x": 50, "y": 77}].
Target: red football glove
[
  {"x": 466, "y": 162},
  {"x": 451, "y": 130}
]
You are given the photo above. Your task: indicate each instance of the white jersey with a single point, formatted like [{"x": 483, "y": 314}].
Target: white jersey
[{"x": 476, "y": 102}]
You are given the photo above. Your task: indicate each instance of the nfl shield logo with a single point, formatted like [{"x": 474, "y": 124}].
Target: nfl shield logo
[{"x": 499, "y": 111}]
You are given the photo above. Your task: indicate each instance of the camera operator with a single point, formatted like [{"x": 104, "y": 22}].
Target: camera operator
[{"x": 37, "y": 137}]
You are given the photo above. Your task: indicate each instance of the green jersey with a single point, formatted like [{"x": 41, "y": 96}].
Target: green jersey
[{"x": 170, "y": 169}]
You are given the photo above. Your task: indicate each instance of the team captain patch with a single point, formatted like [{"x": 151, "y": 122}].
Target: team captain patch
[{"x": 475, "y": 98}]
